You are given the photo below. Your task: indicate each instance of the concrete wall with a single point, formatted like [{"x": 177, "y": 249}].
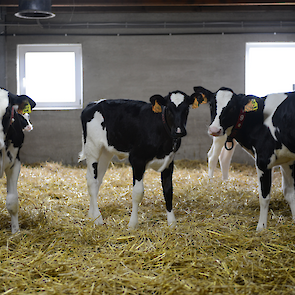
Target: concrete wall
[{"x": 136, "y": 67}]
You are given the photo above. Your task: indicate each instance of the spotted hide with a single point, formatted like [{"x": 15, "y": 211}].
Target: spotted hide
[
  {"x": 148, "y": 134},
  {"x": 14, "y": 111},
  {"x": 264, "y": 126}
]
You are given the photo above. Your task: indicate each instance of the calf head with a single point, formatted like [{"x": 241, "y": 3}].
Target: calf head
[
  {"x": 12, "y": 105},
  {"x": 24, "y": 120},
  {"x": 174, "y": 108},
  {"x": 224, "y": 108}
]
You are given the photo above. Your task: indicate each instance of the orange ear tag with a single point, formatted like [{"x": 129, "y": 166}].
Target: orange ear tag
[
  {"x": 204, "y": 98},
  {"x": 156, "y": 108},
  {"x": 195, "y": 104}
]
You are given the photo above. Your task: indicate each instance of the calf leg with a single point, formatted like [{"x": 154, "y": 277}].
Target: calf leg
[
  {"x": 225, "y": 159},
  {"x": 137, "y": 195},
  {"x": 138, "y": 168},
  {"x": 166, "y": 178},
  {"x": 288, "y": 185},
  {"x": 214, "y": 152},
  {"x": 264, "y": 196},
  {"x": 95, "y": 173},
  {"x": 12, "y": 195}
]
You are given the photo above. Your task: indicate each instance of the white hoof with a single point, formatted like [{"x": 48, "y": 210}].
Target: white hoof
[
  {"x": 98, "y": 220},
  {"x": 260, "y": 227},
  {"x": 171, "y": 218},
  {"x": 14, "y": 229},
  {"x": 132, "y": 225}
]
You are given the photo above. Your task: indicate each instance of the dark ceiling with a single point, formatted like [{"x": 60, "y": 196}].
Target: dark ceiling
[{"x": 156, "y": 5}]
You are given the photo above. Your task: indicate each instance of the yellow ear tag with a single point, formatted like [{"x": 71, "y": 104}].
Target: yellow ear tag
[
  {"x": 195, "y": 104},
  {"x": 252, "y": 105},
  {"x": 156, "y": 108},
  {"x": 27, "y": 109}
]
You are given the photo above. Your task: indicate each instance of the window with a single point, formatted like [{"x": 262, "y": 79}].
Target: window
[
  {"x": 51, "y": 75},
  {"x": 269, "y": 68}
]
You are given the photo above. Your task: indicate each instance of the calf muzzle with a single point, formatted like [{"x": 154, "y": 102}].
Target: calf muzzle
[
  {"x": 179, "y": 132},
  {"x": 215, "y": 131}
]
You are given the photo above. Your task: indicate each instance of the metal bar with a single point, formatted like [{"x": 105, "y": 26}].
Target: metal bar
[
  {"x": 130, "y": 25},
  {"x": 155, "y": 3}
]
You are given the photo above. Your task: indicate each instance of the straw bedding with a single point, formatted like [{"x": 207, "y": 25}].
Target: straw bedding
[{"x": 214, "y": 248}]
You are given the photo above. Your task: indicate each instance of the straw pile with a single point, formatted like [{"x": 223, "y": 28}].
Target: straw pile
[{"x": 214, "y": 249}]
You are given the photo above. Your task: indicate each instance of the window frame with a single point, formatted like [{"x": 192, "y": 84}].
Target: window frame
[
  {"x": 22, "y": 49},
  {"x": 250, "y": 45}
]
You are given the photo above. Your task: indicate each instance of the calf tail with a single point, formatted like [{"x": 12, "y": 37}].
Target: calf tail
[{"x": 82, "y": 155}]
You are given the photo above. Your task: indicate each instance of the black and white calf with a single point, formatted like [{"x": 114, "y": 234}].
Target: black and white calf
[
  {"x": 149, "y": 134},
  {"x": 264, "y": 127},
  {"x": 14, "y": 116}
]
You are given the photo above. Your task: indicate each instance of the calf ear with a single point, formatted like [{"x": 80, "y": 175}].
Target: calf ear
[
  {"x": 25, "y": 103},
  {"x": 157, "y": 102},
  {"x": 201, "y": 96}
]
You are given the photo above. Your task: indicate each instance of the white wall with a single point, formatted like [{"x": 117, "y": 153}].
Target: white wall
[{"x": 136, "y": 67}]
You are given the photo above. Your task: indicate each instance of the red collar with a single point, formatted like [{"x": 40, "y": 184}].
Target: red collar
[{"x": 235, "y": 130}]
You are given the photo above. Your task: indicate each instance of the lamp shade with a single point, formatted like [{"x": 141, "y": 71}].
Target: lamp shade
[{"x": 35, "y": 9}]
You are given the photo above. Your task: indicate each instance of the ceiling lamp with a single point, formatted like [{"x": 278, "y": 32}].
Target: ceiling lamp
[{"x": 35, "y": 9}]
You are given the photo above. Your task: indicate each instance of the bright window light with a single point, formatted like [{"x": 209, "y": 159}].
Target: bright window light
[
  {"x": 269, "y": 68},
  {"x": 51, "y": 75}
]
